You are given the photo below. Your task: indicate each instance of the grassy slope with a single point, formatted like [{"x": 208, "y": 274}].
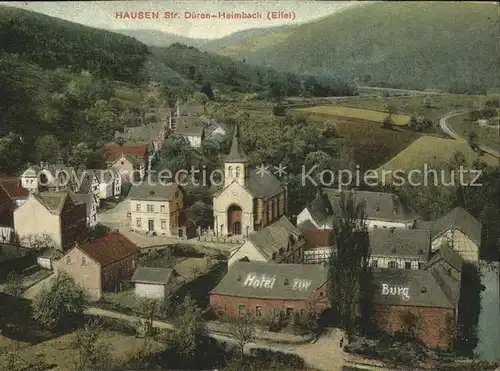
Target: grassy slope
[
  {"x": 362, "y": 114},
  {"x": 411, "y": 44},
  {"x": 487, "y": 136}
]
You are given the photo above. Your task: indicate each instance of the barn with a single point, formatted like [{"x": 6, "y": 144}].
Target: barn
[{"x": 155, "y": 283}]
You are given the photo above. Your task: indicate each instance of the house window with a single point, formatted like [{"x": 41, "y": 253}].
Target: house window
[
  {"x": 68, "y": 259},
  {"x": 241, "y": 309},
  {"x": 133, "y": 263},
  {"x": 321, "y": 293},
  {"x": 176, "y": 194},
  {"x": 151, "y": 208},
  {"x": 138, "y": 207},
  {"x": 258, "y": 311},
  {"x": 375, "y": 226},
  {"x": 84, "y": 261},
  {"x": 393, "y": 264},
  {"x": 138, "y": 223},
  {"x": 163, "y": 224},
  {"x": 122, "y": 162},
  {"x": 289, "y": 312},
  {"x": 407, "y": 265},
  {"x": 162, "y": 208},
  {"x": 374, "y": 263},
  {"x": 420, "y": 265}
]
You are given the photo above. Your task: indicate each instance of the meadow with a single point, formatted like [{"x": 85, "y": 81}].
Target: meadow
[
  {"x": 432, "y": 151},
  {"x": 358, "y": 113},
  {"x": 487, "y": 136}
]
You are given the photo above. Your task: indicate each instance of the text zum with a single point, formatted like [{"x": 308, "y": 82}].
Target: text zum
[{"x": 395, "y": 291}]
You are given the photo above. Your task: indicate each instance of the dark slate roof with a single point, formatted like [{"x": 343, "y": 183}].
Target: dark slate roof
[
  {"x": 233, "y": 283},
  {"x": 306, "y": 226},
  {"x": 157, "y": 191},
  {"x": 53, "y": 201},
  {"x": 411, "y": 243},
  {"x": 236, "y": 153},
  {"x": 424, "y": 290},
  {"x": 449, "y": 285},
  {"x": 263, "y": 186},
  {"x": 187, "y": 125},
  {"x": 457, "y": 218},
  {"x": 448, "y": 255},
  {"x": 379, "y": 206},
  {"x": 83, "y": 198},
  {"x": 111, "y": 248},
  {"x": 158, "y": 276},
  {"x": 274, "y": 237}
]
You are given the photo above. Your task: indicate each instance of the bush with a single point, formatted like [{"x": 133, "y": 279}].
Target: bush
[{"x": 279, "y": 110}]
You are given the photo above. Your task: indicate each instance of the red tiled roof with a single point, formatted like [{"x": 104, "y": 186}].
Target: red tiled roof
[
  {"x": 113, "y": 151},
  {"x": 13, "y": 187},
  {"x": 110, "y": 248}
]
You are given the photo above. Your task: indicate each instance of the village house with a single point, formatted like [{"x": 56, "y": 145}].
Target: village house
[
  {"x": 53, "y": 177},
  {"x": 263, "y": 290},
  {"x": 192, "y": 129},
  {"x": 383, "y": 210},
  {"x": 131, "y": 160},
  {"x": 155, "y": 283},
  {"x": 458, "y": 230},
  {"x": 12, "y": 195},
  {"x": 88, "y": 182},
  {"x": 100, "y": 265},
  {"x": 419, "y": 303},
  {"x": 54, "y": 214},
  {"x": 399, "y": 248},
  {"x": 156, "y": 208},
  {"x": 215, "y": 129},
  {"x": 109, "y": 183},
  {"x": 319, "y": 243},
  {"x": 152, "y": 134},
  {"x": 280, "y": 242},
  {"x": 448, "y": 260},
  {"x": 249, "y": 200},
  {"x": 91, "y": 203}
]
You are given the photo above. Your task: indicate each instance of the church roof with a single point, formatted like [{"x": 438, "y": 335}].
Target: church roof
[{"x": 236, "y": 153}]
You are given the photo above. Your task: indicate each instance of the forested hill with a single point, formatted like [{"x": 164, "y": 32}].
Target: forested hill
[
  {"x": 416, "y": 45},
  {"x": 52, "y": 42}
]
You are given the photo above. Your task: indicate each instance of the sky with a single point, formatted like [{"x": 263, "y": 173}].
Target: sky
[{"x": 102, "y": 14}]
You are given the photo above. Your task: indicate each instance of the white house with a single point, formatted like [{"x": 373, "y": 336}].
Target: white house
[
  {"x": 29, "y": 178},
  {"x": 215, "y": 129},
  {"x": 109, "y": 183},
  {"x": 458, "y": 230},
  {"x": 399, "y": 248},
  {"x": 383, "y": 210},
  {"x": 155, "y": 283},
  {"x": 190, "y": 128},
  {"x": 279, "y": 242},
  {"x": 53, "y": 177}
]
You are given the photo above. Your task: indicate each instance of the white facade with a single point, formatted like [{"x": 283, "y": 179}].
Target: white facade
[
  {"x": 234, "y": 194},
  {"x": 194, "y": 140},
  {"x": 305, "y": 215},
  {"x": 149, "y": 290},
  {"x": 32, "y": 219},
  {"x": 459, "y": 242},
  {"x": 106, "y": 190},
  {"x": 150, "y": 216},
  {"x": 246, "y": 250},
  {"x": 29, "y": 180},
  {"x": 397, "y": 262}
]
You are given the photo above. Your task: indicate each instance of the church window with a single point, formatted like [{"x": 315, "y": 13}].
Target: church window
[
  {"x": 230, "y": 171},
  {"x": 237, "y": 172}
]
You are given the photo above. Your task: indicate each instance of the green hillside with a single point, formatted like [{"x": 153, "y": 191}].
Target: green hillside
[{"x": 417, "y": 45}]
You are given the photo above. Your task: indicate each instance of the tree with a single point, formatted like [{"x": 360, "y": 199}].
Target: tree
[
  {"x": 47, "y": 149},
  {"x": 61, "y": 305},
  {"x": 331, "y": 130},
  {"x": 427, "y": 102},
  {"x": 149, "y": 309},
  {"x": 92, "y": 352},
  {"x": 14, "y": 285},
  {"x": 388, "y": 123},
  {"x": 199, "y": 213},
  {"x": 349, "y": 261},
  {"x": 189, "y": 328},
  {"x": 10, "y": 153},
  {"x": 391, "y": 109},
  {"x": 79, "y": 154},
  {"x": 242, "y": 330},
  {"x": 207, "y": 90},
  {"x": 38, "y": 241}
]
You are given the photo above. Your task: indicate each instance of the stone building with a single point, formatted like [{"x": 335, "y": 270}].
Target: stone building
[{"x": 250, "y": 200}]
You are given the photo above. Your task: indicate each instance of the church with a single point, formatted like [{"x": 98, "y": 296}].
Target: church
[
  {"x": 249, "y": 200},
  {"x": 252, "y": 205}
]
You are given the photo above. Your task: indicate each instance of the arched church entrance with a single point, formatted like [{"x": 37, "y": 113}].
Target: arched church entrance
[{"x": 234, "y": 214}]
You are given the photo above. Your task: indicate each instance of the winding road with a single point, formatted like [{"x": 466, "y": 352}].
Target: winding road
[{"x": 445, "y": 127}]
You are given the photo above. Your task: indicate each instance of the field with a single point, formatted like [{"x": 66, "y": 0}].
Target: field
[
  {"x": 433, "y": 150},
  {"x": 372, "y": 145},
  {"x": 439, "y": 104},
  {"x": 487, "y": 136},
  {"x": 59, "y": 352},
  {"x": 357, "y": 113}
]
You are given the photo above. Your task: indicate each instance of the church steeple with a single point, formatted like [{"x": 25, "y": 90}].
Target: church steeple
[
  {"x": 236, "y": 163},
  {"x": 236, "y": 153}
]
